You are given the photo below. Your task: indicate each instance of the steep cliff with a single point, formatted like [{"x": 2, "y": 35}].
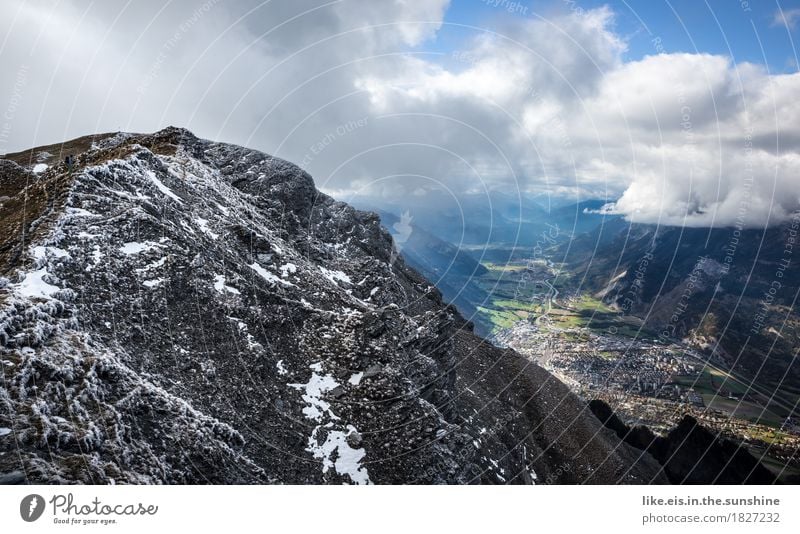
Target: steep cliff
[{"x": 175, "y": 310}]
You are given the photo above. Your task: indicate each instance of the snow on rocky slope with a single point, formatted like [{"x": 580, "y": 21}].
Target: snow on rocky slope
[{"x": 174, "y": 310}]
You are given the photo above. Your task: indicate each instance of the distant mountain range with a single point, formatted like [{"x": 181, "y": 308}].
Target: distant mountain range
[
  {"x": 728, "y": 291},
  {"x": 482, "y": 221},
  {"x": 495, "y": 229}
]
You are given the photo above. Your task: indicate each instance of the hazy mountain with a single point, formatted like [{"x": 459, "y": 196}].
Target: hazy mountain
[
  {"x": 458, "y": 270},
  {"x": 730, "y": 292},
  {"x": 482, "y": 222},
  {"x": 449, "y": 268}
]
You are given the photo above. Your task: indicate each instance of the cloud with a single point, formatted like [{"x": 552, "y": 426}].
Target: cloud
[
  {"x": 248, "y": 72},
  {"x": 717, "y": 146},
  {"x": 353, "y": 92},
  {"x": 786, "y": 17},
  {"x": 681, "y": 139}
]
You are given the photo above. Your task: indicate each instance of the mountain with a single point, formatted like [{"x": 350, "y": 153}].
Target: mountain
[
  {"x": 466, "y": 219},
  {"x": 460, "y": 271},
  {"x": 580, "y": 217},
  {"x": 175, "y": 310},
  {"x": 450, "y": 269},
  {"x": 690, "y": 453},
  {"x": 729, "y": 292},
  {"x": 492, "y": 224}
]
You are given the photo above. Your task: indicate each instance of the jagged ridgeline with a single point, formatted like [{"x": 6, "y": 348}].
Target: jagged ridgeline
[{"x": 174, "y": 310}]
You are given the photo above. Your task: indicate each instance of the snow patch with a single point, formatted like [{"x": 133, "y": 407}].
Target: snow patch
[
  {"x": 289, "y": 268},
  {"x": 154, "y": 265},
  {"x": 281, "y": 369},
  {"x": 203, "y": 224},
  {"x": 316, "y": 386},
  {"x": 137, "y": 196},
  {"x": 80, "y": 212},
  {"x": 268, "y": 276},
  {"x": 220, "y": 286},
  {"x": 348, "y": 459},
  {"x": 41, "y": 253},
  {"x": 163, "y": 188},
  {"x": 335, "y": 276},
  {"x": 97, "y": 254},
  {"x": 33, "y": 285},
  {"x": 355, "y": 378},
  {"x": 135, "y": 248}
]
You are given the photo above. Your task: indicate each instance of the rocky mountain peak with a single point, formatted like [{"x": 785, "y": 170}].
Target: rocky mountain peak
[{"x": 175, "y": 310}]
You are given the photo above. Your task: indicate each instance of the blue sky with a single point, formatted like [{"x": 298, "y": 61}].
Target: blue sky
[{"x": 745, "y": 31}]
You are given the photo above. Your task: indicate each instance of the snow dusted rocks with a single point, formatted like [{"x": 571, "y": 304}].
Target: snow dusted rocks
[
  {"x": 335, "y": 451},
  {"x": 182, "y": 311}
]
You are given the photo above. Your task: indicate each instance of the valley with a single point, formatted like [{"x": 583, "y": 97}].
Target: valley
[
  {"x": 538, "y": 309},
  {"x": 637, "y": 317}
]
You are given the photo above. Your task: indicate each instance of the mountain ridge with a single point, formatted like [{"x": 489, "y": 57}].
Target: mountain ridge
[{"x": 176, "y": 310}]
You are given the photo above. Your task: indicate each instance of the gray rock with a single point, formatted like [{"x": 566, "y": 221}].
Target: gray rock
[{"x": 14, "y": 477}]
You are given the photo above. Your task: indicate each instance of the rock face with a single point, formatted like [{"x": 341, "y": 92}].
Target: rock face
[
  {"x": 690, "y": 453},
  {"x": 175, "y": 310}
]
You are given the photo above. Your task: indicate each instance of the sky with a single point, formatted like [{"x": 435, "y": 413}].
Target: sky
[
  {"x": 744, "y": 31},
  {"x": 676, "y": 112}
]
